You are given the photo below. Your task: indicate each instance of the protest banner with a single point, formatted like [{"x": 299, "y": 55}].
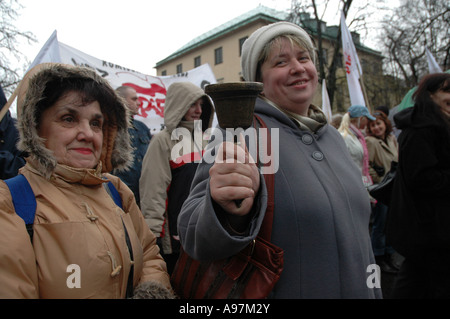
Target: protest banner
[{"x": 151, "y": 90}]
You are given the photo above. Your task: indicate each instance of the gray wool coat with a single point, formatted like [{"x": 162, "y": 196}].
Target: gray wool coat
[{"x": 321, "y": 216}]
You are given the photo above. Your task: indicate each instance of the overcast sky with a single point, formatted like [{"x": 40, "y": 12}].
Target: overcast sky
[
  {"x": 134, "y": 33},
  {"x": 137, "y": 34}
]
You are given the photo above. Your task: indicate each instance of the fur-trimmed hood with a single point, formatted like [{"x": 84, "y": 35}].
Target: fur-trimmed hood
[{"x": 116, "y": 151}]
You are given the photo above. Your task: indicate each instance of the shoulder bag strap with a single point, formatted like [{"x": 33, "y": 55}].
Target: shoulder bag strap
[{"x": 266, "y": 227}]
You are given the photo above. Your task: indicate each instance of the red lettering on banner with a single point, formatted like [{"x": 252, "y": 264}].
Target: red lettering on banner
[
  {"x": 148, "y": 100},
  {"x": 348, "y": 63}
]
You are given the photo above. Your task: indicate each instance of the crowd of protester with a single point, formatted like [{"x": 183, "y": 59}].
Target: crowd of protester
[{"x": 113, "y": 200}]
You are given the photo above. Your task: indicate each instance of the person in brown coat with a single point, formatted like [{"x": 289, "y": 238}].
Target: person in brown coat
[
  {"x": 74, "y": 127},
  {"x": 383, "y": 150}
]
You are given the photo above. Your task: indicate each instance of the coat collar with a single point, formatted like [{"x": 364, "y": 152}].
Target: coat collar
[
  {"x": 71, "y": 175},
  {"x": 313, "y": 122}
]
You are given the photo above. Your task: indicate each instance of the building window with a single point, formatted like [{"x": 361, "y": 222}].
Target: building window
[
  {"x": 365, "y": 65},
  {"x": 163, "y": 73},
  {"x": 218, "y": 55},
  {"x": 197, "y": 61},
  {"x": 241, "y": 43},
  {"x": 180, "y": 68}
]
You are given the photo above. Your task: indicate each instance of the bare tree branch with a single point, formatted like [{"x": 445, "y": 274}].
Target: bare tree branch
[{"x": 9, "y": 40}]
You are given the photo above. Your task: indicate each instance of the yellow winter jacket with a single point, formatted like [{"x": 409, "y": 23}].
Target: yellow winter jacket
[{"x": 79, "y": 248}]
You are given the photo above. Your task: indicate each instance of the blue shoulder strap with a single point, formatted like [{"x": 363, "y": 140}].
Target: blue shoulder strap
[
  {"x": 23, "y": 198},
  {"x": 25, "y": 202},
  {"x": 115, "y": 194},
  {"x": 118, "y": 200}
]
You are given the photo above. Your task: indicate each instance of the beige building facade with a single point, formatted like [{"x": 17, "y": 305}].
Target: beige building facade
[
  {"x": 221, "y": 49},
  {"x": 222, "y": 54}
]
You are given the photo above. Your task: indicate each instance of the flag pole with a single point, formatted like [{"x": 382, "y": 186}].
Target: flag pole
[{"x": 21, "y": 84}]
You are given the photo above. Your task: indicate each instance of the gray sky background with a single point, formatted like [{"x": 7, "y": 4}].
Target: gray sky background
[
  {"x": 139, "y": 33},
  {"x": 134, "y": 33}
]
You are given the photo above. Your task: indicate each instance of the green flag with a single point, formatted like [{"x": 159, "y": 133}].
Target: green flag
[{"x": 407, "y": 100}]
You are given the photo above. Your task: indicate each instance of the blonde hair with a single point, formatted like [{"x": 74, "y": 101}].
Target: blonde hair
[{"x": 344, "y": 128}]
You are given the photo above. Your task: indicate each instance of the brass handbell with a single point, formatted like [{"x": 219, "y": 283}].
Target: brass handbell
[{"x": 234, "y": 104}]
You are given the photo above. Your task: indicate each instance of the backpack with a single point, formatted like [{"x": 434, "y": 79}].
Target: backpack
[
  {"x": 25, "y": 206},
  {"x": 25, "y": 203}
]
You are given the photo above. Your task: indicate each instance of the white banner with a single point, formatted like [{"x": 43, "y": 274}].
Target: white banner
[
  {"x": 326, "y": 105},
  {"x": 352, "y": 65},
  {"x": 151, "y": 90}
]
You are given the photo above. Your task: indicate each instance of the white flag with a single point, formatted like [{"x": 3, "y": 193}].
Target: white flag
[
  {"x": 326, "y": 105},
  {"x": 49, "y": 52},
  {"x": 352, "y": 65},
  {"x": 433, "y": 66}
]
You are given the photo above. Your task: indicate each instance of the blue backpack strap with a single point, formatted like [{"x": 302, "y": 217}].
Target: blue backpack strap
[
  {"x": 25, "y": 202},
  {"x": 23, "y": 198},
  {"x": 115, "y": 194}
]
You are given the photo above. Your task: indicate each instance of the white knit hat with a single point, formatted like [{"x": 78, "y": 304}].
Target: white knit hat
[{"x": 255, "y": 43}]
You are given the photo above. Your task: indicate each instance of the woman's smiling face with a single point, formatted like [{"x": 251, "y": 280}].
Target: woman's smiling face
[
  {"x": 289, "y": 77},
  {"x": 73, "y": 131},
  {"x": 378, "y": 128}
]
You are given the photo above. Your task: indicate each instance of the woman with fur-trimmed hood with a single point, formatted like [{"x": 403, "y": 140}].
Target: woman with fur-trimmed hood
[
  {"x": 74, "y": 127},
  {"x": 171, "y": 161}
]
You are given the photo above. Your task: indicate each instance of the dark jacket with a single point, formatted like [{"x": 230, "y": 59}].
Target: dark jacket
[
  {"x": 419, "y": 215},
  {"x": 11, "y": 159},
  {"x": 140, "y": 138}
]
